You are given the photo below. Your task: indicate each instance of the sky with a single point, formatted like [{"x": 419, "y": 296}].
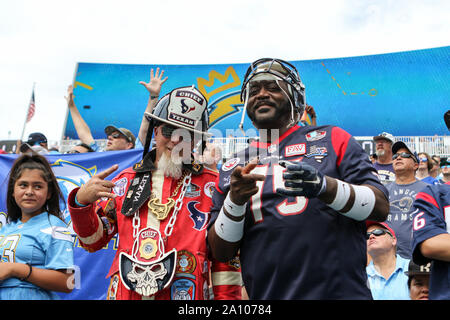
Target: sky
[{"x": 42, "y": 41}]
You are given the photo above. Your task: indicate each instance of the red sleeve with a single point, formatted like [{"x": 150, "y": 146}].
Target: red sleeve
[
  {"x": 226, "y": 280},
  {"x": 339, "y": 140},
  {"x": 93, "y": 228}
]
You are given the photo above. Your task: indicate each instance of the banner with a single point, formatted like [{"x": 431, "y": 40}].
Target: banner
[
  {"x": 404, "y": 93},
  {"x": 73, "y": 170}
]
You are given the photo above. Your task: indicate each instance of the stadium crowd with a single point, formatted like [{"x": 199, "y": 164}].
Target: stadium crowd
[{"x": 387, "y": 207}]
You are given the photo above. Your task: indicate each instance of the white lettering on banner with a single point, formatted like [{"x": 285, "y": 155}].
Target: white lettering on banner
[{"x": 295, "y": 150}]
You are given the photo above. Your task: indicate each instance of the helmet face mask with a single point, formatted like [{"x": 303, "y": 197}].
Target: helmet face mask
[{"x": 277, "y": 70}]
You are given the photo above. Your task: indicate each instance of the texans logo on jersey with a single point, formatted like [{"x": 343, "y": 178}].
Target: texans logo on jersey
[{"x": 200, "y": 218}]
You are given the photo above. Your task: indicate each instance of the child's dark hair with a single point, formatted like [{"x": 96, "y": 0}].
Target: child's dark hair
[{"x": 35, "y": 161}]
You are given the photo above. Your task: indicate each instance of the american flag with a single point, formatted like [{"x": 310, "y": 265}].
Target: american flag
[{"x": 31, "y": 108}]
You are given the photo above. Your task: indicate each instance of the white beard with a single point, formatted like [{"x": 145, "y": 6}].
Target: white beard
[
  {"x": 380, "y": 153},
  {"x": 170, "y": 168}
]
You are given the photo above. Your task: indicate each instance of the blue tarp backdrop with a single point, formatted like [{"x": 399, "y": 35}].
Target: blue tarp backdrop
[{"x": 403, "y": 93}]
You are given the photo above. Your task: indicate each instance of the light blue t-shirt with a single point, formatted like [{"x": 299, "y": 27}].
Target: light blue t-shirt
[
  {"x": 45, "y": 242},
  {"x": 394, "y": 288}
]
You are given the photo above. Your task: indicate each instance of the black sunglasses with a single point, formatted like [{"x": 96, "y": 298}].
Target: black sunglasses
[
  {"x": 403, "y": 155},
  {"x": 167, "y": 132},
  {"x": 377, "y": 233}
]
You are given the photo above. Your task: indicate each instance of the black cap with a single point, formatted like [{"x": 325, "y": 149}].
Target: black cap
[
  {"x": 36, "y": 138},
  {"x": 445, "y": 162},
  {"x": 400, "y": 144},
  {"x": 414, "y": 269}
]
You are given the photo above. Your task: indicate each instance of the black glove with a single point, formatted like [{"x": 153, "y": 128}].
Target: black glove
[{"x": 300, "y": 179}]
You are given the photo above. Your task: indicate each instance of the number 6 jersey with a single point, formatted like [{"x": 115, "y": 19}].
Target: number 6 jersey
[{"x": 294, "y": 247}]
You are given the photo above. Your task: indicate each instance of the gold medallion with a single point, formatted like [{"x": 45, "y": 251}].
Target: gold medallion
[
  {"x": 148, "y": 249},
  {"x": 160, "y": 210}
]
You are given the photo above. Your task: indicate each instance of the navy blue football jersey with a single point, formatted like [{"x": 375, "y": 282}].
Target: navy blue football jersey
[
  {"x": 294, "y": 247},
  {"x": 432, "y": 219}
]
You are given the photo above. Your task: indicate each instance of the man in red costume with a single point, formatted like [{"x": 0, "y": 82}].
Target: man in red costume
[{"x": 160, "y": 209}]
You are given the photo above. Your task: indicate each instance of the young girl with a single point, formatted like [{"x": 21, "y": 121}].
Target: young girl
[{"x": 36, "y": 249}]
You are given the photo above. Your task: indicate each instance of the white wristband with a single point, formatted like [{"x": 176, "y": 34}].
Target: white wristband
[
  {"x": 342, "y": 195},
  {"x": 227, "y": 229},
  {"x": 363, "y": 205},
  {"x": 232, "y": 208}
]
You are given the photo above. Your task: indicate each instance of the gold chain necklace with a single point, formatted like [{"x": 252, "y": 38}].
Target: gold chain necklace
[{"x": 161, "y": 210}]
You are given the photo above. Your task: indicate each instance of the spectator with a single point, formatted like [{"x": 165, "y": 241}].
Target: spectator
[
  {"x": 373, "y": 158},
  {"x": 431, "y": 238},
  {"x": 445, "y": 169},
  {"x": 435, "y": 170},
  {"x": 37, "y": 143},
  {"x": 402, "y": 193},
  {"x": 386, "y": 271},
  {"x": 425, "y": 165},
  {"x": 383, "y": 149},
  {"x": 418, "y": 280},
  {"x": 159, "y": 208},
  {"x": 80, "y": 148},
  {"x": 291, "y": 221},
  {"x": 211, "y": 157},
  {"x": 309, "y": 111},
  {"x": 118, "y": 138},
  {"x": 36, "y": 244},
  {"x": 154, "y": 89}
]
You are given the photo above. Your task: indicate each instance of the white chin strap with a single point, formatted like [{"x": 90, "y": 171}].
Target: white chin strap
[{"x": 266, "y": 76}]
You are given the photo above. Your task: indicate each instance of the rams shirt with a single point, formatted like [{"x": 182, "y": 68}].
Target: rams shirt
[{"x": 294, "y": 247}]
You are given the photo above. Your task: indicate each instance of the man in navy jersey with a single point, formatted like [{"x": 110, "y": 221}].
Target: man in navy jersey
[
  {"x": 293, "y": 204},
  {"x": 431, "y": 238}
]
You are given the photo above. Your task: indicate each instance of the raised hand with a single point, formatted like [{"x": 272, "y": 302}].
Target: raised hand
[
  {"x": 155, "y": 83},
  {"x": 97, "y": 187},
  {"x": 70, "y": 96}
]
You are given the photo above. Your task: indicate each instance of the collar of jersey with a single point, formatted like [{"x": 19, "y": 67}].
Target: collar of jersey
[{"x": 265, "y": 145}]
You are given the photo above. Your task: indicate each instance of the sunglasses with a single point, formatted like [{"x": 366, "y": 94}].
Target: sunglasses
[
  {"x": 423, "y": 159},
  {"x": 167, "y": 132},
  {"x": 117, "y": 135},
  {"x": 72, "y": 151},
  {"x": 377, "y": 233},
  {"x": 403, "y": 155}
]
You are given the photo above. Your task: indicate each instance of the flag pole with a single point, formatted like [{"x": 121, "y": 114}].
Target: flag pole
[{"x": 26, "y": 115}]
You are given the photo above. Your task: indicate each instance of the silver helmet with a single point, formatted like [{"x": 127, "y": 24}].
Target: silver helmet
[
  {"x": 278, "y": 70},
  {"x": 184, "y": 107}
]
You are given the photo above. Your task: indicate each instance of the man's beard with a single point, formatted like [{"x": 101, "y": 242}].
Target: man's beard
[
  {"x": 169, "y": 167},
  {"x": 380, "y": 152}
]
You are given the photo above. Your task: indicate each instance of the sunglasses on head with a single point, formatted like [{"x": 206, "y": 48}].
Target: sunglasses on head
[
  {"x": 377, "y": 233},
  {"x": 403, "y": 155}
]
